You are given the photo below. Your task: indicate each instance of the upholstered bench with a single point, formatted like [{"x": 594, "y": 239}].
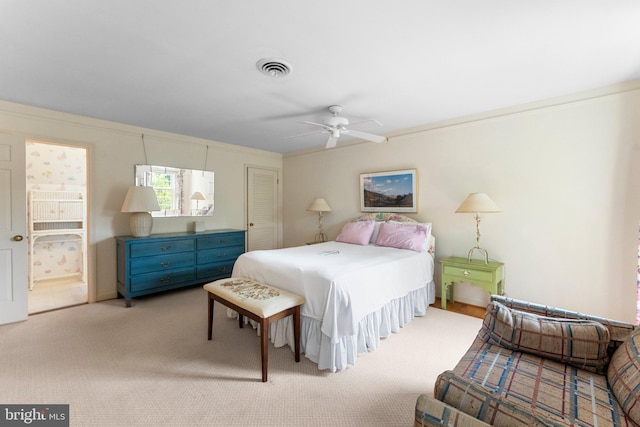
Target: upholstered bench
[{"x": 260, "y": 303}]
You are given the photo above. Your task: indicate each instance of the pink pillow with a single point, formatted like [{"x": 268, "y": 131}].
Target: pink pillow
[
  {"x": 402, "y": 236},
  {"x": 358, "y": 232}
]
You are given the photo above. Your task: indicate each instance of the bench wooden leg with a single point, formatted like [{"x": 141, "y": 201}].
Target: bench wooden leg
[
  {"x": 264, "y": 347},
  {"x": 210, "y": 326},
  {"x": 296, "y": 332}
]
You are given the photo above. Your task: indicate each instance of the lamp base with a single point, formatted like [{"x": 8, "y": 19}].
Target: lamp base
[
  {"x": 140, "y": 223},
  {"x": 482, "y": 251},
  {"x": 320, "y": 237}
]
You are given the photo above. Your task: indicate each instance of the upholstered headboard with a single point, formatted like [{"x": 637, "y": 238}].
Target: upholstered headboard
[
  {"x": 390, "y": 216},
  {"x": 384, "y": 216}
]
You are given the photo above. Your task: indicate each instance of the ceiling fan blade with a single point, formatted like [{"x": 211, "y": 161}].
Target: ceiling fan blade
[
  {"x": 367, "y": 136},
  {"x": 322, "y": 125},
  {"x": 306, "y": 134},
  {"x": 367, "y": 121},
  {"x": 331, "y": 142}
]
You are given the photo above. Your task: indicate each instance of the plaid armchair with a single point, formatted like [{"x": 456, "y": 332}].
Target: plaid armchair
[{"x": 536, "y": 365}]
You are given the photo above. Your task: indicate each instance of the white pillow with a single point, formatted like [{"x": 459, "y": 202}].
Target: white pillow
[{"x": 376, "y": 230}]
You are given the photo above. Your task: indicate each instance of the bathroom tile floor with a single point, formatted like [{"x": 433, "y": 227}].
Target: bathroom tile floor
[{"x": 56, "y": 293}]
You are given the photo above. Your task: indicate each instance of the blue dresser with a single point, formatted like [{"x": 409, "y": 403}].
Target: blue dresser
[{"x": 174, "y": 260}]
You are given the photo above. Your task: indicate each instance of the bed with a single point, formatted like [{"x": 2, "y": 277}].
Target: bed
[{"x": 356, "y": 291}]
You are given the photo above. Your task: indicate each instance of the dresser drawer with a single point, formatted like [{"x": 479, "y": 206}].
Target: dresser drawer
[
  {"x": 210, "y": 242},
  {"x": 463, "y": 273},
  {"x": 162, "y": 247},
  {"x": 219, "y": 254},
  {"x": 215, "y": 270},
  {"x": 161, "y": 262},
  {"x": 162, "y": 279}
]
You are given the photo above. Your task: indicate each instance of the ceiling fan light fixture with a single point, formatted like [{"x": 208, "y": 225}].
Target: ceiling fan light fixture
[{"x": 274, "y": 67}]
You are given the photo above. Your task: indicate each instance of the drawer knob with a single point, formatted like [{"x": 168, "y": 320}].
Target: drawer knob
[{"x": 466, "y": 272}]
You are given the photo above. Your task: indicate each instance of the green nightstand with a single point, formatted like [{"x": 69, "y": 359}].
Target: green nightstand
[{"x": 475, "y": 272}]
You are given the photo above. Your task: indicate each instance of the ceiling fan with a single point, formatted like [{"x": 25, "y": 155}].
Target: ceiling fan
[{"x": 336, "y": 126}]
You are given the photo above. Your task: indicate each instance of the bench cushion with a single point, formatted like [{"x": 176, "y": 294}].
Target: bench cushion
[{"x": 255, "y": 297}]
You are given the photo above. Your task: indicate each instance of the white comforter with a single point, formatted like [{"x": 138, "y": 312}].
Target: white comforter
[{"x": 342, "y": 283}]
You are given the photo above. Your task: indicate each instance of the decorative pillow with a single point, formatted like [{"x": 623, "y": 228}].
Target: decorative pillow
[
  {"x": 580, "y": 343},
  {"x": 623, "y": 376},
  {"x": 427, "y": 239},
  {"x": 358, "y": 232},
  {"x": 402, "y": 236}
]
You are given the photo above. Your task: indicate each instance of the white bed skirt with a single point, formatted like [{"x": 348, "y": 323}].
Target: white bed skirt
[{"x": 336, "y": 356}]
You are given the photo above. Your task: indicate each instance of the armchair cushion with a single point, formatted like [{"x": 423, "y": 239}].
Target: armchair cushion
[
  {"x": 580, "y": 343},
  {"x": 432, "y": 412},
  {"x": 624, "y": 376},
  {"x": 490, "y": 407}
]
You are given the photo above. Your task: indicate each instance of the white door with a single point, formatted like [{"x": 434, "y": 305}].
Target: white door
[
  {"x": 13, "y": 230},
  {"x": 262, "y": 209}
]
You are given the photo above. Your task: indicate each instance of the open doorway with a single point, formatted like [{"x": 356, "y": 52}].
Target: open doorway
[{"x": 57, "y": 225}]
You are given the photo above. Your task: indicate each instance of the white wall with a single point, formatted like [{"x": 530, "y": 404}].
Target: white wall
[
  {"x": 564, "y": 175},
  {"x": 113, "y": 151}
]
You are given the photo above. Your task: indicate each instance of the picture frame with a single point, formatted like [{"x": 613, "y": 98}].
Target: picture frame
[{"x": 393, "y": 191}]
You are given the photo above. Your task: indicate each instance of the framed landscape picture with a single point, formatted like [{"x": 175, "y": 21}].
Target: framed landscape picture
[{"x": 393, "y": 191}]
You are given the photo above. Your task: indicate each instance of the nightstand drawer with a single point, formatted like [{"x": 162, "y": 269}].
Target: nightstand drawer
[{"x": 467, "y": 273}]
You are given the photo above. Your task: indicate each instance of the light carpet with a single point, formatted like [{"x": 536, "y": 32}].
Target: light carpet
[{"x": 152, "y": 364}]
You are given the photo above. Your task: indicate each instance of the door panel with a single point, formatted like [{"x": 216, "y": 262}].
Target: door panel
[
  {"x": 13, "y": 230},
  {"x": 262, "y": 209}
]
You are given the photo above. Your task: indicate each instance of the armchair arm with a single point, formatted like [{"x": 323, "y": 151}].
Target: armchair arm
[{"x": 432, "y": 412}]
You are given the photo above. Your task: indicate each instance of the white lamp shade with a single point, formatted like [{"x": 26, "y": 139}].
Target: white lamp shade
[
  {"x": 140, "y": 199},
  {"x": 478, "y": 202},
  {"x": 198, "y": 196},
  {"x": 319, "y": 205}
]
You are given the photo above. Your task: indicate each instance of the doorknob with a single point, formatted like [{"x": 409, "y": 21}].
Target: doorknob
[
  {"x": 250, "y": 224},
  {"x": 17, "y": 238}
]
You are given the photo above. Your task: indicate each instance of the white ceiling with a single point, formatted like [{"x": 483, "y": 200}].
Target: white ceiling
[{"x": 189, "y": 66}]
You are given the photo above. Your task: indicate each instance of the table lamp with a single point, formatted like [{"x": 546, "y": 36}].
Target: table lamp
[
  {"x": 140, "y": 200},
  {"x": 478, "y": 203},
  {"x": 197, "y": 196},
  {"x": 319, "y": 205}
]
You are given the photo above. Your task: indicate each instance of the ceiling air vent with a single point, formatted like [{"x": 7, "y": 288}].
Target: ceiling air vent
[{"x": 273, "y": 67}]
